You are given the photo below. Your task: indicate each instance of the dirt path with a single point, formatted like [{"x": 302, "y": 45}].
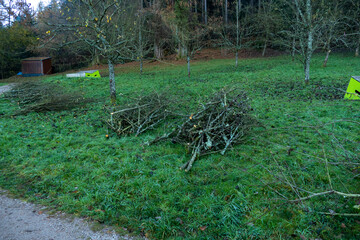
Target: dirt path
[{"x": 20, "y": 220}]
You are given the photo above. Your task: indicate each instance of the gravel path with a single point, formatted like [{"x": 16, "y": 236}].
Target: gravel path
[{"x": 20, "y": 220}]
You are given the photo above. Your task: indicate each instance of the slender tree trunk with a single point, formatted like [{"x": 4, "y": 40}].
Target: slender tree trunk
[
  {"x": 259, "y": 7},
  {"x": 357, "y": 49},
  {"x": 293, "y": 49},
  {"x": 141, "y": 65},
  {"x": 327, "y": 57},
  {"x": 158, "y": 51},
  {"x": 202, "y": 11},
  {"x": 238, "y": 9},
  {"x": 236, "y": 58},
  {"x": 265, "y": 46},
  {"x": 140, "y": 37},
  {"x": 188, "y": 65},
  {"x": 205, "y": 14},
  {"x": 112, "y": 82},
  {"x": 307, "y": 71},
  {"x": 310, "y": 40},
  {"x": 226, "y": 12}
]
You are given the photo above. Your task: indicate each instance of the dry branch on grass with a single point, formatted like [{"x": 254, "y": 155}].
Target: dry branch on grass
[
  {"x": 140, "y": 114},
  {"x": 341, "y": 149},
  {"x": 220, "y": 123},
  {"x": 43, "y": 97}
]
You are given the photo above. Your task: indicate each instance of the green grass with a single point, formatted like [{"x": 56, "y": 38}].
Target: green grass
[{"x": 64, "y": 160}]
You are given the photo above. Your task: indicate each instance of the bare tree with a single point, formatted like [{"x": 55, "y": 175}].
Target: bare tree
[
  {"x": 304, "y": 35},
  {"x": 334, "y": 27},
  {"x": 106, "y": 26},
  {"x": 187, "y": 31},
  {"x": 236, "y": 36}
]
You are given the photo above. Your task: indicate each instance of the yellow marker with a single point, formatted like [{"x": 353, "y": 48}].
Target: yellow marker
[
  {"x": 353, "y": 90},
  {"x": 93, "y": 75}
]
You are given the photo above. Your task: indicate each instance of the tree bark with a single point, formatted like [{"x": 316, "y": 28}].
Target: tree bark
[
  {"x": 238, "y": 9},
  {"x": 326, "y": 58},
  {"x": 259, "y": 7},
  {"x": 205, "y": 12},
  {"x": 236, "y": 58},
  {"x": 307, "y": 71},
  {"x": 293, "y": 49},
  {"x": 158, "y": 52},
  {"x": 264, "y": 49},
  {"x": 112, "y": 82},
  {"x": 226, "y": 12},
  {"x": 310, "y": 40},
  {"x": 188, "y": 65},
  {"x": 140, "y": 37}
]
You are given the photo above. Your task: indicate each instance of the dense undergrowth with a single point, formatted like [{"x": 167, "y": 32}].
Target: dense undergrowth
[{"x": 309, "y": 135}]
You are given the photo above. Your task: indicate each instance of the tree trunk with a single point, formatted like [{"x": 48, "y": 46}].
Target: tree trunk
[
  {"x": 205, "y": 11},
  {"x": 141, "y": 65},
  {"x": 357, "y": 49},
  {"x": 226, "y": 12},
  {"x": 293, "y": 49},
  {"x": 181, "y": 51},
  {"x": 264, "y": 49},
  {"x": 307, "y": 71},
  {"x": 158, "y": 52},
  {"x": 112, "y": 82},
  {"x": 140, "y": 36},
  {"x": 188, "y": 65},
  {"x": 310, "y": 40},
  {"x": 326, "y": 58},
  {"x": 236, "y": 58},
  {"x": 238, "y": 9},
  {"x": 259, "y": 7}
]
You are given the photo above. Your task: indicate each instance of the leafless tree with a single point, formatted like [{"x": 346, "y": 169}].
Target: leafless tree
[
  {"x": 305, "y": 32},
  {"x": 236, "y": 36},
  {"x": 334, "y": 28},
  {"x": 107, "y": 26}
]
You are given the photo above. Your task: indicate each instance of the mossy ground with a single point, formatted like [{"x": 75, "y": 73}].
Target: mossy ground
[{"x": 64, "y": 160}]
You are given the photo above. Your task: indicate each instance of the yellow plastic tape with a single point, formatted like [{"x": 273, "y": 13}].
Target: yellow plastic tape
[
  {"x": 93, "y": 75},
  {"x": 353, "y": 90}
]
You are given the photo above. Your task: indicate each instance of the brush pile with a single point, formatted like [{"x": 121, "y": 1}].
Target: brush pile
[
  {"x": 138, "y": 115},
  {"x": 44, "y": 97},
  {"x": 217, "y": 125}
]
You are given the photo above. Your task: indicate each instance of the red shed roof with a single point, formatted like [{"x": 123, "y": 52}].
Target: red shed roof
[{"x": 36, "y": 58}]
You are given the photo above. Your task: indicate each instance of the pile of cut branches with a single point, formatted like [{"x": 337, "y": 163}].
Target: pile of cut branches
[
  {"x": 138, "y": 115},
  {"x": 43, "y": 97},
  {"x": 217, "y": 125}
]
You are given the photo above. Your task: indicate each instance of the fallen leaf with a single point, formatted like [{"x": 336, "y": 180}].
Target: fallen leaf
[
  {"x": 343, "y": 225},
  {"x": 227, "y": 197},
  {"x": 203, "y": 228}
]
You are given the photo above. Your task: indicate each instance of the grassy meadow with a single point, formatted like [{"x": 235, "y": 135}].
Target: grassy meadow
[{"x": 308, "y": 141}]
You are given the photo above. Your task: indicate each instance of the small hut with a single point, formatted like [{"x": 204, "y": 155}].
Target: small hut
[{"x": 36, "y": 66}]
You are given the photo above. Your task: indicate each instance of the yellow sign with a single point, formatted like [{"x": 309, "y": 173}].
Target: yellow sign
[
  {"x": 353, "y": 90},
  {"x": 93, "y": 75}
]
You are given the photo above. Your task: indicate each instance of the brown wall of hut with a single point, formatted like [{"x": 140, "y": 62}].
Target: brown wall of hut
[{"x": 36, "y": 66}]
